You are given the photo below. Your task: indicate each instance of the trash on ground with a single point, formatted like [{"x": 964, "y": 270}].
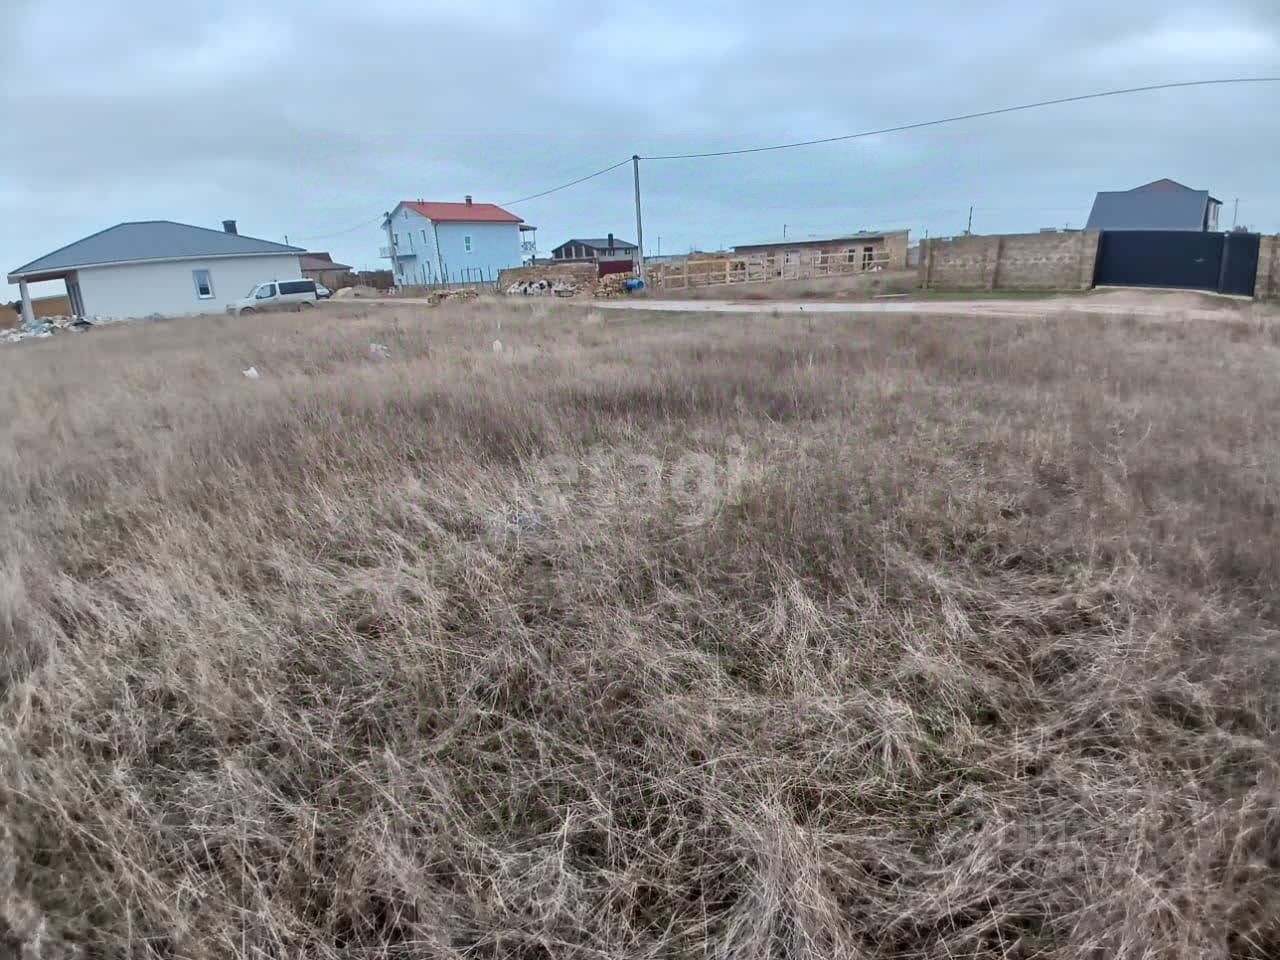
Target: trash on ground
[
  {"x": 44, "y": 327},
  {"x": 252, "y": 373}
]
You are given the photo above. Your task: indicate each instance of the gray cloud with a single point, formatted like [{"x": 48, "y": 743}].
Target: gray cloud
[{"x": 306, "y": 119}]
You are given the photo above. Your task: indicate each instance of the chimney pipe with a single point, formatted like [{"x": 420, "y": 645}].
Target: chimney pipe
[
  {"x": 468, "y": 199},
  {"x": 229, "y": 226},
  {"x": 611, "y": 243}
]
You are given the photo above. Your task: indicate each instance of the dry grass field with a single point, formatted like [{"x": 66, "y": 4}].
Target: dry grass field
[{"x": 643, "y": 636}]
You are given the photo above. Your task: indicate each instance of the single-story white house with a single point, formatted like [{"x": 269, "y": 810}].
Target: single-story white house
[{"x": 159, "y": 267}]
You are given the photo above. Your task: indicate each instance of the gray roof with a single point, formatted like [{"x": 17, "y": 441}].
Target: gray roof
[
  {"x": 600, "y": 243},
  {"x": 149, "y": 240},
  {"x": 1169, "y": 206}
]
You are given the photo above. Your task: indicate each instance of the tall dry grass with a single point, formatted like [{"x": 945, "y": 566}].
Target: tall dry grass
[{"x": 968, "y": 646}]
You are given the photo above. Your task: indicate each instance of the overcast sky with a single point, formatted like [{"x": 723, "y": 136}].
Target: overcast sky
[{"x": 304, "y": 119}]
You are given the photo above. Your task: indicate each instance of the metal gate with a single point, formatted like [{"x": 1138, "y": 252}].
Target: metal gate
[
  {"x": 1222, "y": 263},
  {"x": 1239, "y": 264}
]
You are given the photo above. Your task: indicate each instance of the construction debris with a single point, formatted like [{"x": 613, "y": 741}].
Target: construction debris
[
  {"x": 46, "y": 327},
  {"x": 543, "y": 288},
  {"x": 549, "y": 280},
  {"x": 461, "y": 295},
  {"x": 617, "y": 285},
  {"x": 378, "y": 351}
]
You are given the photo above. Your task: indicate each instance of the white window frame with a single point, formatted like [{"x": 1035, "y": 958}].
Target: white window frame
[
  {"x": 466, "y": 242},
  {"x": 195, "y": 278}
]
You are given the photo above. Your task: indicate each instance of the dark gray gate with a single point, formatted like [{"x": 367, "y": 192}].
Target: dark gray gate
[
  {"x": 1239, "y": 264},
  {"x": 1222, "y": 263}
]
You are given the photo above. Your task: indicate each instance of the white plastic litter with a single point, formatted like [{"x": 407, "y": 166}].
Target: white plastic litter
[
  {"x": 378, "y": 351},
  {"x": 252, "y": 373},
  {"x": 497, "y": 346}
]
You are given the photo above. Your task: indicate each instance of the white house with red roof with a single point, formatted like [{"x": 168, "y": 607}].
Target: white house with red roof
[{"x": 434, "y": 242}]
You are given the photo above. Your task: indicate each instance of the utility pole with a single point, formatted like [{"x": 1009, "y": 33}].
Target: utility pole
[
  {"x": 659, "y": 246},
  {"x": 784, "y": 231},
  {"x": 635, "y": 169},
  {"x": 1236, "y": 215},
  {"x": 969, "y": 229}
]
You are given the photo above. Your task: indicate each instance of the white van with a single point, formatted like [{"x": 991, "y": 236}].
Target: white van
[{"x": 276, "y": 295}]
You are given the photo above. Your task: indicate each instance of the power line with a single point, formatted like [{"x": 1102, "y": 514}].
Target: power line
[
  {"x": 963, "y": 116},
  {"x": 338, "y": 233},
  {"x": 566, "y": 186},
  {"x": 855, "y": 136}
]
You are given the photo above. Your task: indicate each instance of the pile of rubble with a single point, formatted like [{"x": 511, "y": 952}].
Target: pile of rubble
[
  {"x": 542, "y": 288},
  {"x": 617, "y": 285},
  {"x": 46, "y": 327},
  {"x": 461, "y": 295}
]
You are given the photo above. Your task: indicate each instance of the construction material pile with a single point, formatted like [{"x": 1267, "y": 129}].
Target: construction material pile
[
  {"x": 549, "y": 280},
  {"x": 616, "y": 285},
  {"x": 542, "y": 288},
  {"x": 461, "y": 295}
]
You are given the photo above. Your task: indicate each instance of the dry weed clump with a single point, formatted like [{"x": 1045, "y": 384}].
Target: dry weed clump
[{"x": 964, "y": 645}]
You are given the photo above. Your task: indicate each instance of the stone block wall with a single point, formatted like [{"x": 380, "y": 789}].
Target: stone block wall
[
  {"x": 583, "y": 274},
  {"x": 1022, "y": 261},
  {"x": 1267, "y": 284}
]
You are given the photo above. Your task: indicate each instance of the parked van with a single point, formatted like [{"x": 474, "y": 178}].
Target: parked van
[{"x": 276, "y": 295}]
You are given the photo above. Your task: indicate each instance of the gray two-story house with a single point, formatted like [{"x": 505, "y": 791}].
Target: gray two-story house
[{"x": 1159, "y": 205}]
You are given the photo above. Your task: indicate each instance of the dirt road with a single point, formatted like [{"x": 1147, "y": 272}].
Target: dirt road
[
  {"x": 1141, "y": 303},
  {"x": 1118, "y": 303}
]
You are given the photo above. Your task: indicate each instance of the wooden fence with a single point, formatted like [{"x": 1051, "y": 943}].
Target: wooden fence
[{"x": 761, "y": 268}]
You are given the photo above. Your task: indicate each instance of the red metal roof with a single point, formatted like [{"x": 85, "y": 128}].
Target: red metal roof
[{"x": 462, "y": 212}]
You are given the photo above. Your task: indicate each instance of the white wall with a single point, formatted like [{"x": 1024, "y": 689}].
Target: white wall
[{"x": 169, "y": 289}]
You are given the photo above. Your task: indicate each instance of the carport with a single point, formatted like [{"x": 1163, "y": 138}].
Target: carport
[{"x": 67, "y": 276}]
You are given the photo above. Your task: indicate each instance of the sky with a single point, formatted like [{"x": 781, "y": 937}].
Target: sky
[{"x": 309, "y": 119}]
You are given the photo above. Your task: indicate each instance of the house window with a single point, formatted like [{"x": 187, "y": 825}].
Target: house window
[
  {"x": 851, "y": 255},
  {"x": 791, "y": 257},
  {"x": 466, "y": 243},
  {"x": 868, "y": 254},
  {"x": 204, "y": 284}
]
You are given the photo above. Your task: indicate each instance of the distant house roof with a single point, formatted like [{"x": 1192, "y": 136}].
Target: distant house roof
[
  {"x": 461, "y": 212},
  {"x": 864, "y": 235},
  {"x": 599, "y": 243},
  {"x": 1158, "y": 205},
  {"x": 146, "y": 241},
  {"x": 320, "y": 261}
]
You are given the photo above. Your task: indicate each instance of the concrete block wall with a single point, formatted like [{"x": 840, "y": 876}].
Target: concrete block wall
[
  {"x": 1267, "y": 284},
  {"x": 1025, "y": 261}
]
